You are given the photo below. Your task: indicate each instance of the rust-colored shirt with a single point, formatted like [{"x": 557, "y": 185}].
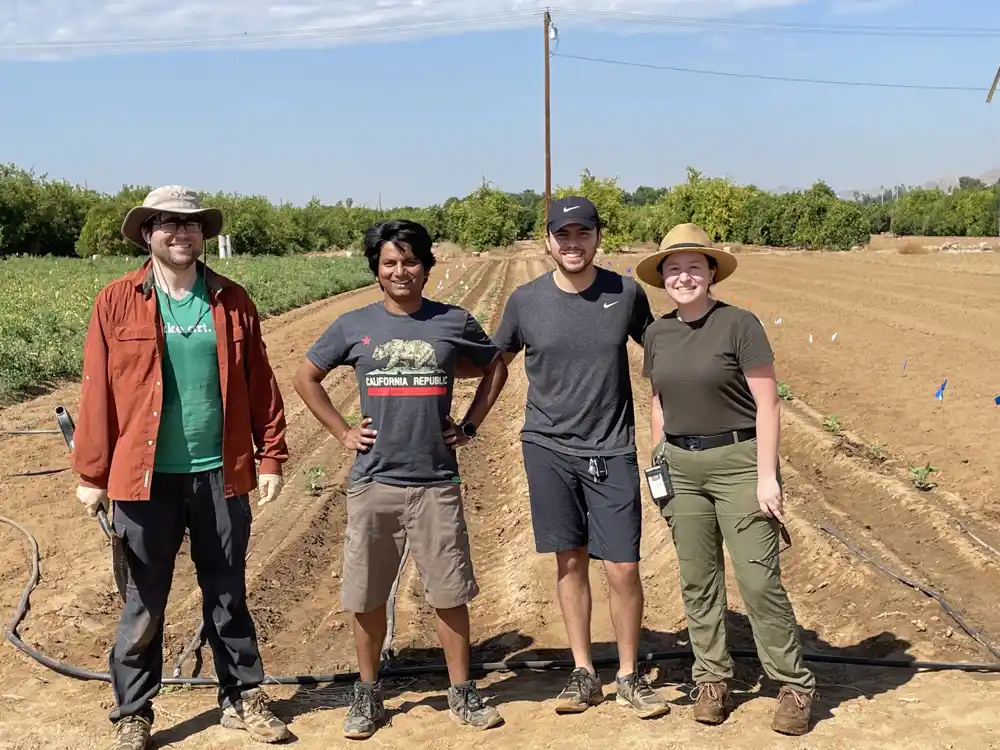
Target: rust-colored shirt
[{"x": 122, "y": 393}]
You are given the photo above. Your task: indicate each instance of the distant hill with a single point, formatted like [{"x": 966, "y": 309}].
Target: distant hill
[{"x": 947, "y": 183}]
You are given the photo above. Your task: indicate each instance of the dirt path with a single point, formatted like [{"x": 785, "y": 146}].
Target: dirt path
[{"x": 845, "y": 606}]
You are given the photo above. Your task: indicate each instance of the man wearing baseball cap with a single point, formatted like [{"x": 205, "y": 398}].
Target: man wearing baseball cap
[
  {"x": 177, "y": 392},
  {"x": 578, "y": 441}
]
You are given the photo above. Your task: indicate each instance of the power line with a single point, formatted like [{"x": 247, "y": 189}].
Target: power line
[
  {"x": 727, "y": 24},
  {"x": 480, "y": 20},
  {"x": 785, "y": 79},
  {"x": 352, "y": 31}
]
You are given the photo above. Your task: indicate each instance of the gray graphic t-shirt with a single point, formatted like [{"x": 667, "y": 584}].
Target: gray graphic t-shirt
[
  {"x": 579, "y": 391},
  {"x": 405, "y": 367}
]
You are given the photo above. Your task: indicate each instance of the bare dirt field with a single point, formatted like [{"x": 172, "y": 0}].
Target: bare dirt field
[{"x": 937, "y": 312}]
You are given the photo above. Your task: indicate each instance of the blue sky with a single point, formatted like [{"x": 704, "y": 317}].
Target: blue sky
[{"x": 420, "y": 116}]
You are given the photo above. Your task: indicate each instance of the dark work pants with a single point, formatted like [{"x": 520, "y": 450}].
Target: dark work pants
[{"x": 153, "y": 532}]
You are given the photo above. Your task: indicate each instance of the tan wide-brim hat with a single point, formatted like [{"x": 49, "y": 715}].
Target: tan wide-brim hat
[
  {"x": 175, "y": 199},
  {"x": 685, "y": 238}
]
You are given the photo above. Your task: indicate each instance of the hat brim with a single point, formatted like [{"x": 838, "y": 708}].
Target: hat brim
[
  {"x": 132, "y": 225},
  {"x": 648, "y": 268},
  {"x": 564, "y": 221}
]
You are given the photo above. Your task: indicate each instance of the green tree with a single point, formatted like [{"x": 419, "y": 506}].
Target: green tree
[{"x": 485, "y": 219}]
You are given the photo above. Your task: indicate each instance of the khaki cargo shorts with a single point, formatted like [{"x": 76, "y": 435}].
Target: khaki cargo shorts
[{"x": 380, "y": 517}]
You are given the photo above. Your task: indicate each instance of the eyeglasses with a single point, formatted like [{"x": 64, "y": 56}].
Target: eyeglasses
[
  {"x": 785, "y": 536},
  {"x": 175, "y": 225}
]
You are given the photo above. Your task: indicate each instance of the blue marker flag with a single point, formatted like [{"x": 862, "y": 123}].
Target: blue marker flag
[
  {"x": 939, "y": 393},
  {"x": 996, "y": 400},
  {"x": 628, "y": 270}
]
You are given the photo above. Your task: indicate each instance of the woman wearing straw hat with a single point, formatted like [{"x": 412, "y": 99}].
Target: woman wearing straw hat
[{"x": 715, "y": 414}]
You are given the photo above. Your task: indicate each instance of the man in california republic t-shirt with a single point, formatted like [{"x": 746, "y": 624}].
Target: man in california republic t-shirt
[{"x": 405, "y": 482}]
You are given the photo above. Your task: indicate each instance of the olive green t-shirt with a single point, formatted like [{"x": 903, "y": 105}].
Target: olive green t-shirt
[{"x": 697, "y": 368}]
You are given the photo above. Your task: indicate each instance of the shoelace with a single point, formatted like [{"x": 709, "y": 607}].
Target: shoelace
[
  {"x": 638, "y": 684},
  {"x": 579, "y": 680},
  {"x": 710, "y": 689},
  {"x": 364, "y": 704},
  {"x": 800, "y": 700},
  {"x": 470, "y": 696},
  {"x": 130, "y": 728},
  {"x": 257, "y": 705}
]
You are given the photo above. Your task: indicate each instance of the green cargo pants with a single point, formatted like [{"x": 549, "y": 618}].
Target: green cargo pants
[{"x": 715, "y": 501}]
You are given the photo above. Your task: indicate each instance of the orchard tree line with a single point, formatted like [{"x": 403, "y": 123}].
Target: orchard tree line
[{"x": 39, "y": 216}]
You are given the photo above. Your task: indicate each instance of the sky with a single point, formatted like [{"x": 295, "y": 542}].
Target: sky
[{"x": 409, "y": 102}]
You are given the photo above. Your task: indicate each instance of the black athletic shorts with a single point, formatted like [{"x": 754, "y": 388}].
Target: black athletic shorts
[{"x": 569, "y": 509}]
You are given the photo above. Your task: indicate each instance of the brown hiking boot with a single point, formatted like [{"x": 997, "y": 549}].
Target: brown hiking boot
[
  {"x": 712, "y": 703},
  {"x": 131, "y": 733},
  {"x": 251, "y": 714},
  {"x": 791, "y": 715}
]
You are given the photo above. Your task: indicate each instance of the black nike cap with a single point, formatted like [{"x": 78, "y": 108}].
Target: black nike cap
[{"x": 573, "y": 209}]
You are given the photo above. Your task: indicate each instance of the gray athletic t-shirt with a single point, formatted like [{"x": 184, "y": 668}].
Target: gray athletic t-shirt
[
  {"x": 405, "y": 367},
  {"x": 579, "y": 390},
  {"x": 698, "y": 369}
]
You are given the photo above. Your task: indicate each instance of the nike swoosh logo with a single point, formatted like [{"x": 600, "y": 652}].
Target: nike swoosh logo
[
  {"x": 610, "y": 304},
  {"x": 570, "y": 208}
]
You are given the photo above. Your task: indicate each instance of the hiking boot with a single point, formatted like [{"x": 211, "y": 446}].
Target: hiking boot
[
  {"x": 251, "y": 714},
  {"x": 791, "y": 715},
  {"x": 634, "y": 690},
  {"x": 712, "y": 703},
  {"x": 367, "y": 711},
  {"x": 467, "y": 707},
  {"x": 131, "y": 733},
  {"x": 582, "y": 691}
]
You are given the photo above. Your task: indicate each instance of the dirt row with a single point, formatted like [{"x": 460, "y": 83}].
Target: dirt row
[{"x": 844, "y": 605}]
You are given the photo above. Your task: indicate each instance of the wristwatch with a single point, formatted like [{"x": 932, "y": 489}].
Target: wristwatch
[{"x": 468, "y": 429}]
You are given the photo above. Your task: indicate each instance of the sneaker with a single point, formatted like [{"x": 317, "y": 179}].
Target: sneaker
[
  {"x": 367, "y": 711},
  {"x": 467, "y": 707},
  {"x": 635, "y": 691},
  {"x": 582, "y": 691},
  {"x": 791, "y": 715},
  {"x": 251, "y": 714},
  {"x": 131, "y": 733},
  {"x": 712, "y": 702}
]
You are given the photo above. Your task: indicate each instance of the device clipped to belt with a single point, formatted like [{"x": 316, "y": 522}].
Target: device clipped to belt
[
  {"x": 598, "y": 468},
  {"x": 658, "y": 481}
]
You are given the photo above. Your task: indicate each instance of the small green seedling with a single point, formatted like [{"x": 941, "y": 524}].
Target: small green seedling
[
  {"x": 876, "y": 453},
  {"x": 832, "y": 424},
  {"x": 316, "y": 480},
  {"x": 784, "y": 392},
  {"x": 919, "y": 474}
]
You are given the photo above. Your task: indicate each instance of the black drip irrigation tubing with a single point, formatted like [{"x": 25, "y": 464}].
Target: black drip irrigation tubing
[
  {"x": 971, "y": 631},
  {"x": 69, "y": 670}
]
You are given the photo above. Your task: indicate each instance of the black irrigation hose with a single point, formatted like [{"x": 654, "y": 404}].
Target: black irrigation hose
[
  {"x": 69, "y": 670},
  {"x": 973, "y": 633}
]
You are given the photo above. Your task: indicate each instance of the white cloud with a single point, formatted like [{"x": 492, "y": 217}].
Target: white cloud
[
  {"x": 63, "y": 29},
  {"x": 864, "y": 7}
]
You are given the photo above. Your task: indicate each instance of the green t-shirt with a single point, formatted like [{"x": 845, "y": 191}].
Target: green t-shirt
[
  {"x": 697, "y": 368},
  {"x": 190, "y": 436}
]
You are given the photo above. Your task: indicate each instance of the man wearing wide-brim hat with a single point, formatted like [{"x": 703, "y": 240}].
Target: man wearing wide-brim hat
[
  {"x": 178, "y": 403},
  {"x": 714, "y": 419}
]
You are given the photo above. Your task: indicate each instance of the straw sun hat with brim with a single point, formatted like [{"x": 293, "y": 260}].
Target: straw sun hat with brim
[
  {"x": 682, "y": 239},
  {"x": 170, "y": 199}
]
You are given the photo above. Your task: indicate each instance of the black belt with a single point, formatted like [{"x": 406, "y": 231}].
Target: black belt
[{"x": 704, "y": 442}]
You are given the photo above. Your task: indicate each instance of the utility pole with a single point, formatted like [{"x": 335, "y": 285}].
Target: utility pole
[{"x": 547, "y": 25}]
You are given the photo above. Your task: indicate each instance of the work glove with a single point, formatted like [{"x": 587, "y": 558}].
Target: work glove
[
  {"x": 659, "y": 455},
  {"x": 92, "y": 499},
  {"x": 269, "y": 486}
]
